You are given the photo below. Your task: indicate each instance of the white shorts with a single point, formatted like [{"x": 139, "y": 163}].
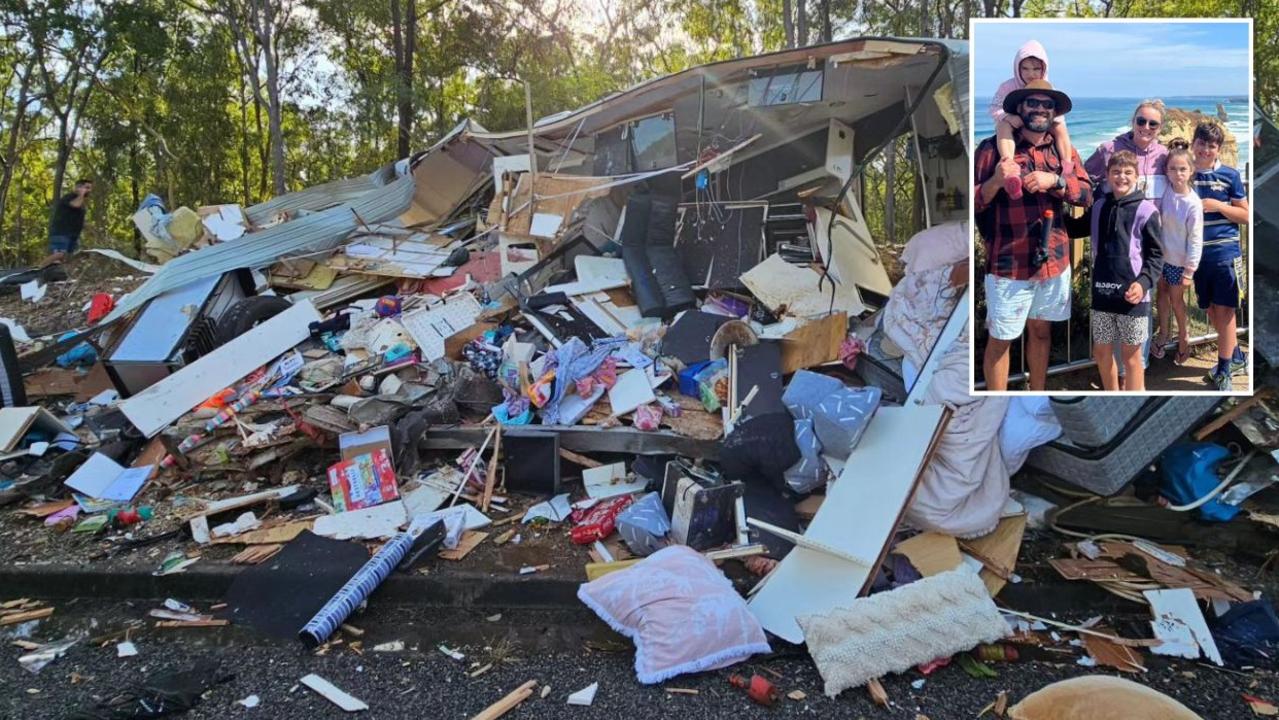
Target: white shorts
[{"x": 1010, "y": 303}]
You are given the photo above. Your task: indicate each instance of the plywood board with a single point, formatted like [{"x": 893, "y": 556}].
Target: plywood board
[
  {"x": 861, "y": 511},
  {"x": 470, "y": 540},
  {"x": 931, "y": 553},
  {"x": 158, "y": 406},
  {"x": 794, "y": 290},
  {"x": 50, "y": 382},
  {"x": 815, "y": 343},
  {"x": 998, "y": 548},
  {"x": 851, "y": 253},
  {"x": 1109, "y": 654},
  {"x": 275, "y": 534}
]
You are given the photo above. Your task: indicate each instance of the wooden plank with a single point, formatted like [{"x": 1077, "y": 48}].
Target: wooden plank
[
  {"x": 158, "y": 406},
  {"x": 24, "y": 616},
  {"x": 490, "y": 477},
  {"x": 215, "y": 622},
  {"x": 508, "y": 703},
  {"x": 1224, "y": 418},
  {"x": 470, "y": 540},
  {"x": 255, "y": 554},
  {"x": 583, "y": 439},
  {"x": 51, "y": 382},
  {"x": 815, "y": 343},
  {"x": 580, "y": 459},
  {"x": 861, "y": 513}
]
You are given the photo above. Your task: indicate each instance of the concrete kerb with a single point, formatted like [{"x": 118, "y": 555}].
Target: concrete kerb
[
  {"x": 453, "y": 589},
  {"x": 210, "y": 584}
]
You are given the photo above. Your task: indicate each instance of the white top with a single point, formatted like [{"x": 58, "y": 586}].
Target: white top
[{"x": 1181, "y": 222}]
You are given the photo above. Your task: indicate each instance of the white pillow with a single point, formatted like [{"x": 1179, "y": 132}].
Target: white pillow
[{"x": 680, "y": 611}]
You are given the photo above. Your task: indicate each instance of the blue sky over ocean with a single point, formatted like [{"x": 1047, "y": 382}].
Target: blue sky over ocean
[{"x": 1120, "y": 59}]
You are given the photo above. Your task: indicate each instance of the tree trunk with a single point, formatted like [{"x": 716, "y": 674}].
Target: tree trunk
[
  {"x": 264, "y": 149},
  {"x": 64, "y": 154},
  {"x": 263, "y": 17},
  {"x": 406, "y": 103},
  {"x": 397, "y": 61},
  {"x": 890, "y": 191},
  {"x": 135, "y": 192},
  {"x": 11, "y": 145},
  {"x": 826, "y": 27},
  {"x": 788, "y": 22},
  {"x": 801, "y": 23}
]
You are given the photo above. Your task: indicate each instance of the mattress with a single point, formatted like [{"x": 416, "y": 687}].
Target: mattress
[
  {"x": 1091, "y": 421},
  {"x": 1107, "y": 468}
]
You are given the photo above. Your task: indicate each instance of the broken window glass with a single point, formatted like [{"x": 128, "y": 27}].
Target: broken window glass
[
  {"x": 653, "y": 140},
  {"x": 786, "y": 86}
]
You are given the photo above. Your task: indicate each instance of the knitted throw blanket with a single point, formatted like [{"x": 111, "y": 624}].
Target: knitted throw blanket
[{"x": 893, "y": 631}]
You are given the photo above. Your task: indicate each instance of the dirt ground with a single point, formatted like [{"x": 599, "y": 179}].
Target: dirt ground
[
  {"x": 1162, "y": 376},
  {"x": 63, "y": 306}
]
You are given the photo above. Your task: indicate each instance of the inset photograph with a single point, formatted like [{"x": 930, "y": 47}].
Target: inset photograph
[{"x": 1111, "y": 185}]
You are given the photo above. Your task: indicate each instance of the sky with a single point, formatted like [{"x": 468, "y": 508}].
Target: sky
[{"x": 1109, "y": 58}]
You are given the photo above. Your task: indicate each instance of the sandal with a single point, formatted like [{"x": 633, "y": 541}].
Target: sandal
[
  {"x": 1157, "y": 347},
  {"x": 1183, "y": 353}
]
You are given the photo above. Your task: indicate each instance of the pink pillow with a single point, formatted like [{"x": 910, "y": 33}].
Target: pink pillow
[{"x": 680, "y": 611}]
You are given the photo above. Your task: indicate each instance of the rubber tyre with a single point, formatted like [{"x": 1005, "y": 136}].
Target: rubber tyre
[{"x": 247, "y": 313}]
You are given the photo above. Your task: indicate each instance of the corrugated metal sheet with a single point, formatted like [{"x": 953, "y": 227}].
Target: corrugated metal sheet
[{"x": 385, "y": 198}]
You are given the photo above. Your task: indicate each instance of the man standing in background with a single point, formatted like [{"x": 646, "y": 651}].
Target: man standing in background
[{"x": 66, "y": 221}]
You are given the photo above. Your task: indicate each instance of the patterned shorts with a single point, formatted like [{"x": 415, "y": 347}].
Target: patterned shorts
[
  {"x": 1114, "y": 329},
  {"x": 1172, "y": 274}
]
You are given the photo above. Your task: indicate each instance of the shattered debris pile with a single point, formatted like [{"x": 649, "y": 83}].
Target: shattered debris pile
[{"x": 648, "y": 343}]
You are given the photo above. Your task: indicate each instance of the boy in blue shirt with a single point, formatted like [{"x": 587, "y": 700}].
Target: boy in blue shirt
[{"x": 1220, "y": 277}]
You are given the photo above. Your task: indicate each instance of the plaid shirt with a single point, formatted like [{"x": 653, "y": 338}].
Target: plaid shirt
[{"x": 1011, "y": 228}]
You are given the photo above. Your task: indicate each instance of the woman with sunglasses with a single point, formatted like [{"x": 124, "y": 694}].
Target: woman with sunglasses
[{"x": 1143, "y": 141}]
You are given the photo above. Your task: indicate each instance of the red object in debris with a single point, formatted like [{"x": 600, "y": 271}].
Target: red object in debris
[
  {"x": 100, "y": 306},
  {"x": 933, "y": 665},
  {"x": 758, "y": 688},
  {"x": 598, "y": 522}
]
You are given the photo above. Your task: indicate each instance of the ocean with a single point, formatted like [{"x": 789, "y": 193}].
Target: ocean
[{"x": 1092, "y": 121}]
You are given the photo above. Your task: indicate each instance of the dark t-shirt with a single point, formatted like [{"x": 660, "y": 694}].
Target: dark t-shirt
[{"x": 66, "y": 219}]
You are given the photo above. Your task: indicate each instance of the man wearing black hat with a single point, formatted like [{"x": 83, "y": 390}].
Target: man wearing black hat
[{"x": 1027, "y": 250}]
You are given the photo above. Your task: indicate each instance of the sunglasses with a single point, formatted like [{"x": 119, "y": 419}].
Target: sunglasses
[
  {"x": 1143, "y": 122},
  {"x": 1047, "y": 103}
]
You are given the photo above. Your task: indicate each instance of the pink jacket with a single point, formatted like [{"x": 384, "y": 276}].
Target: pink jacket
[{"x": 1032, "y": 49}]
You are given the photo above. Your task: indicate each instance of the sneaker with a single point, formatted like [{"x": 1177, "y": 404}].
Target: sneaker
[
  {"x": 1238, "y": 366},
  {"x": 1221, "y": 380},
  {"x": 1239, "y": 363}
]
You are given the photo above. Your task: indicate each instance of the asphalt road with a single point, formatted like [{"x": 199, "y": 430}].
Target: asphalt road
[{"x": 565, "y": 651}]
